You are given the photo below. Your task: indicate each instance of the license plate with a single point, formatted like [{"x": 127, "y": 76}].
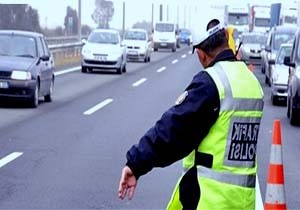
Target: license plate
[
  {"x": 132, "y": 52},
  {"x": 3, "y": 85},
  {"x": 163, "y": 44},
  {"x": 100, "y": 58}
]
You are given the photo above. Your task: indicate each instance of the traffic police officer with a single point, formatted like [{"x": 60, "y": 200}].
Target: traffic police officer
[{"x": 218, "y": 117}]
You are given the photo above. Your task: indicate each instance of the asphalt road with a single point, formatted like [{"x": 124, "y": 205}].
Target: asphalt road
[{"x": 68, "y": 154}]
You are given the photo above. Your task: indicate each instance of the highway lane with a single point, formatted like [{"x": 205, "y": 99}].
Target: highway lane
[
  {"x": 80, "y": 84},
  {"x": 69, "y": 159}
]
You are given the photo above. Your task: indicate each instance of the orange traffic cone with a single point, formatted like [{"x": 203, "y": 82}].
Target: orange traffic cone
[{"x": 275, "y": 193}]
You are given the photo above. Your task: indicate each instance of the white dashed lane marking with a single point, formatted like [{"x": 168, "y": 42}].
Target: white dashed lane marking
[
  {"x": 139, "y": 82},
  {"x": 98, "y": 106},
  {"x": 9, "y": 158},
  {"x": 67, "y": 71},
  {"x": 161, "y": 69},
  {"x": 174, "y": 61}
]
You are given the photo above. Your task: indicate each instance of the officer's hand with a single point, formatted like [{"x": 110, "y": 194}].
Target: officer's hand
[{"x": 127, "y": 184}]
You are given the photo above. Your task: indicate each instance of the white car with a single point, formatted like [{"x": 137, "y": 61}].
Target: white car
[
  {"x": 138, "y": 45},
  {"x": 103, "y": 50},
  {"x": 280, "y": 74}
]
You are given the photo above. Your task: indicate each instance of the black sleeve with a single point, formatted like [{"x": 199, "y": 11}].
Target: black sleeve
[{"x": 180, "y": 129}]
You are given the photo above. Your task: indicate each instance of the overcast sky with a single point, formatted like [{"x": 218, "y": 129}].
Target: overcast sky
[{"x": 190, "y": 12}]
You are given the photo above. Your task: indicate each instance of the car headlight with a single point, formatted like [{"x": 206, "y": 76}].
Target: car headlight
[
  {"x": 21, "y": 75},
  {"x": 246, "y": 49},
  {"x": 86, "y": 51}
]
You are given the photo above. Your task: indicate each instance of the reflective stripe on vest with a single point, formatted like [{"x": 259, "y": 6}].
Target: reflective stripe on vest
[
  {"x": 229, "y": 178},
  {"x": 232, "y": 104}
]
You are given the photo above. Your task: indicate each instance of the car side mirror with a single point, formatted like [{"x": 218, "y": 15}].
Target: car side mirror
[
  {"x": 267, "y": 48},
  {"x": 271, "y": 62},
  {"x": 83, "y": 41},
  {"x": 45, "y": 58},
  {"x": 287, "y": 62}
]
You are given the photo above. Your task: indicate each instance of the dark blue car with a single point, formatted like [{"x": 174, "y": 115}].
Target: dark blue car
[
  {"x": 185, "y": 36},
  {"x": 26, "y": 67}
]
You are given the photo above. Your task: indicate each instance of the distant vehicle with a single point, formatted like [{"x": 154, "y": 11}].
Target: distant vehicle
[
  {"x": 237, "y": 15},
  {"x": 26, "y": 67},
  {"x": 103, "y": 50},
  {"x": 260, "y": 18},
  {"x": 282, "y": 13},
  {"x": 165, "y": 35},
  {"x": 138, "y": 45},
  {"x": 185, "y": 36},
  {"x": 293, "y": 96},
  {"x": 250, "y": 50},
  {"x": 280, "y": 74},
  {"x": 277, "y": 36}
]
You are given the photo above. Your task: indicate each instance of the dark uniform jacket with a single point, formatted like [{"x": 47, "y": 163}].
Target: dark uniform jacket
[{"x": 181, "y": 129}]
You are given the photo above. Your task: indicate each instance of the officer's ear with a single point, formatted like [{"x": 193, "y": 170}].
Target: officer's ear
[{"x": 203, "y": 57}]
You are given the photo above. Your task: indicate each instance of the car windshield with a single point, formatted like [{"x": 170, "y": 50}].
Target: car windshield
[
  {"x": 185, "y": 33},
  {"x": 164, "y": 27},
  {"x": 238, "y": 19},
  {"x": 254, "y": 39},
  {"x": 135, "y": 35},
  {"x": 17, "y": 45},
  {"x": 103, "y": 38},
  {"x": 281, "y": 39},
  {"x": 262, "y": 22},
  {"x": 284, "y": 51}
]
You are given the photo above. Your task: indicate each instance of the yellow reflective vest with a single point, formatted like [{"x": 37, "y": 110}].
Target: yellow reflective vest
[{"x": 230, "y": 182}]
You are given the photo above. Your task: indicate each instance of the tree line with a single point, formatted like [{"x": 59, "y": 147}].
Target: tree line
[{"x": 24, "y": 17}]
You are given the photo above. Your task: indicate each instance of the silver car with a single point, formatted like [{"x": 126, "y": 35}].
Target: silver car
[
  {"x": 280, "y": 74},
  {"x": 103, "y": 50},
  {"x": 277, "y": 36},
  {"x": 138, "y": 45},
  {"x": 250, "y": 50}
]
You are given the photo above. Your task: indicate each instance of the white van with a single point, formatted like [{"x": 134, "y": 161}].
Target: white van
[{"x": 165, "y": 35}]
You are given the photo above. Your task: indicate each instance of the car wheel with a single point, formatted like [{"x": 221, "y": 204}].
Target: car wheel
[
  {"x": 48, "y": 98},
  {"x": 273, "y": 99},
  {"x": 262, "y": 69},
  {"x": 288, "y": 108},
  {"x": 267, "y": 80},
  {"x": 174, "y": 49},
  {"x": 119, "y": 70},
  {"x": 155, "y": 49},
  {"x": 84, "y": 69},
  {"x": 34, "y": 100},
  {"x": 124, "y": 68},
  {"x": 145, "y": 59},
  {"x": 149, "y": 59},
  {"x": 293, "y": 114}
]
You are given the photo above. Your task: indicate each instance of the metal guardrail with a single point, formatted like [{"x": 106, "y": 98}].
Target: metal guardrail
[
  {"x": 66, "y": 53},
  {"x": 57, "y": 47},
  {"x": 63, "y": 39}
]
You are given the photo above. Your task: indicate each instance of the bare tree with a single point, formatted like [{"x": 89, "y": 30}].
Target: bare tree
[{"x": 103, "y": 13}]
